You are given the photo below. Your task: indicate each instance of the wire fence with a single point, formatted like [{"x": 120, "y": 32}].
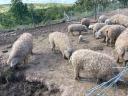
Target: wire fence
[
  {"x": 67, "y": 16},
  {"x": 101, "y": 90}
]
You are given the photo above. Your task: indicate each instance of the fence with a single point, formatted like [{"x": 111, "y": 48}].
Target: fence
[
  {"x": 67, "y": 15},
  {"x": 101, "y": 90}
]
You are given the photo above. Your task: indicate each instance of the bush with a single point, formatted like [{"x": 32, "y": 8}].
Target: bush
[
  {"x": 23, "y": 14},
  {"x": 7, "y": 21}
]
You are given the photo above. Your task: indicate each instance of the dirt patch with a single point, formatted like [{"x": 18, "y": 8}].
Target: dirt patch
[
  {"x": 24, "y": 88},
  {"x": 13, "y": 83},
  {"x": 47, "y": 72}
]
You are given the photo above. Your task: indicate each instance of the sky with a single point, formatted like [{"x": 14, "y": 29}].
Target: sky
[{"x": 40, "y": 1}]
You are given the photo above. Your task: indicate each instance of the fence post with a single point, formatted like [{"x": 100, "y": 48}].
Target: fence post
[{"x": 95, "y": 9}]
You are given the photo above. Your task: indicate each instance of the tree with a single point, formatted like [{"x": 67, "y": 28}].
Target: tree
[
  {"x": 87, "y": 5},
  {"x": 35, "y": 15},
  {"x": 124, "y": 3},
  {"x": 19, "y": 10}
]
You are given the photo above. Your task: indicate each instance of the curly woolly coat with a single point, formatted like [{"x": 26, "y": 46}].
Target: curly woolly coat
[
  {"x": 76, "y": 28},
  {"x": 61, "y": 41},
  {"x": 97, "y": 65},
  {"x": 21, "y": 49},
  {"x": 121, "y": 45}
]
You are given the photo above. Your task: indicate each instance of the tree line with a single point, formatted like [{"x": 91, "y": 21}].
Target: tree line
[
  {"x": 90, "y": 4},
  {"x": 24, "y": 14}
]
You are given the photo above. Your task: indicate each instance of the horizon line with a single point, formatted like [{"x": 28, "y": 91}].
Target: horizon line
[{"x": 39, "y": 2}]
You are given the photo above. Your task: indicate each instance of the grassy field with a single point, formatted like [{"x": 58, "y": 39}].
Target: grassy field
[
  {"x": 40, "y": 10},
  {"x": 42, "y": 6},
  {"x": 5, "y": 7}
]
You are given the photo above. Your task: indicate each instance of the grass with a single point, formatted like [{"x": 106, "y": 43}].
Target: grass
[
  {"x": 42, "y": 6},
  {"x": 29, "y": 26},
  {"x": 5, "y": 7},
  {"x": 76, "y": 15}
]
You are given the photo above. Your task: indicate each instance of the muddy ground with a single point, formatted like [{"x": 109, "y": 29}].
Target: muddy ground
[{"x": 47, "y": 73}]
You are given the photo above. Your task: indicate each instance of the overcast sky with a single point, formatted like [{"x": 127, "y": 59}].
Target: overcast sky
[{"x": 40, "y": 1}]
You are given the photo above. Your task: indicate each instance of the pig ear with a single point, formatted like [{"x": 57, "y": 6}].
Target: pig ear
[
  {"x": 106, "y": 32},
  {"x": 8, "y": 61},
  {"x": 65, "y": 52},
  {"x": 14, "y": 62}
]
